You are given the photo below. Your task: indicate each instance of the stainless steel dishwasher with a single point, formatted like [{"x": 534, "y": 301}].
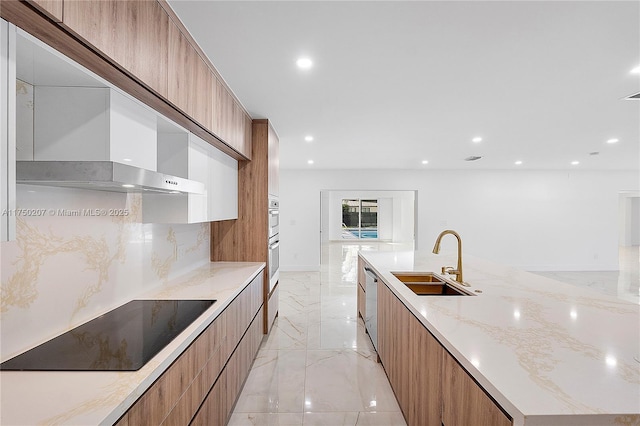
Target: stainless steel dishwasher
[{"x": 371, "y": 306}]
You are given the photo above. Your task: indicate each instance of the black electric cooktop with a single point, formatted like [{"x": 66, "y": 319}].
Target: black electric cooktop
[{"x": 123, "y": 339}]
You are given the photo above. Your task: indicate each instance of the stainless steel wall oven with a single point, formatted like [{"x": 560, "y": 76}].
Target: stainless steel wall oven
[{"x": 274, "y": 242}]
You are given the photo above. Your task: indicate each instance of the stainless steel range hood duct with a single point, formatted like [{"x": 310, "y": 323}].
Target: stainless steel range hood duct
[{"x": 102, "y": 176}]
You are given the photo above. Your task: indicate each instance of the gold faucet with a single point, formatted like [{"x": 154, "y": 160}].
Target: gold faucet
[{"x": 449, "y": 269}]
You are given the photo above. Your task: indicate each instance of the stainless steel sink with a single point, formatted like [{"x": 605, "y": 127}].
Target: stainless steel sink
[{"x": 430, "y": 284}]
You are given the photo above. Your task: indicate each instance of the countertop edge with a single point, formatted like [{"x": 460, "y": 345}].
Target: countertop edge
[
  {"x": 194, "y": 330},
  {"x": 384, "y": 272}
]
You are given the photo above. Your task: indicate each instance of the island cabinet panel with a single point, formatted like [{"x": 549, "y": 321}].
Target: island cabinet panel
[
  {"x": 425, "y": 368},
  {"x": 207, "y": 378},
  {"x": 465, "y": 402},
  {"x": 51, "y": 8},
  {"x": 411, "y": 357},
  {"x": 134, "y": 34}
]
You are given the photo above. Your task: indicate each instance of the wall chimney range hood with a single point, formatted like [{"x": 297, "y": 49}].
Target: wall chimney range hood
[{"x": 102, "y": 176}]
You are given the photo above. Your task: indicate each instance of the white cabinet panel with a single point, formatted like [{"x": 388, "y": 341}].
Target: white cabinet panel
[
  {"x": 223, "y": 186},
  {"x": 199, "y": 171},
  {"x": 188, "y": 156},
  {"x": 93, "y": 124},
  {"x": 133, "y": 132},
  {"x": 7, "y": 130}
]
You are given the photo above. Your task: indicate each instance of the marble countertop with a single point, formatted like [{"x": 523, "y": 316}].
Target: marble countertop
[
  {"x": 92, "y": 398},
  {"x": 549, "y": 353}
]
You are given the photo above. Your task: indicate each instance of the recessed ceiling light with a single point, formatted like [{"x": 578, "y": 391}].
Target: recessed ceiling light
[
  {"x": 310, "y": 162},
  {"x": 476, "y": 139},
  {"x": 575, "y": 163},
  {"x": 308, "y": 138},
  {"x": 612, "y": 140},
  {"x": 517, "y": 163},
  {"x": 636, "y": 70},
  {"x": 304, "y": 63},
  {"x": 425, "y": 162},
  {"x": 126, "y": 159}
]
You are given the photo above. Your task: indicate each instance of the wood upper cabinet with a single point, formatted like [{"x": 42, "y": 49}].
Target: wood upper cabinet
[
  {"x": 52, "y": 8},
  {"x": 191, "y": 83},
  {"x": 223, "y": 119},
  {"x": 141, "y": 47},
  {"x": 230, "y": 121},
  {"x": 134, "y": 34},
  {"x": 464, "y": 401}
]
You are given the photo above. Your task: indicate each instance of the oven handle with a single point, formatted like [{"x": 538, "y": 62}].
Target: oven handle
[
  {"x": 274, "y": 245},
  {"x": 274, "y": 212}
]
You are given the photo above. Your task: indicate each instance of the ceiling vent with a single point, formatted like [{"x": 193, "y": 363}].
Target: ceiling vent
[
  {"x": 472, "y": 158},
  {"x": 633, "y": 97}
]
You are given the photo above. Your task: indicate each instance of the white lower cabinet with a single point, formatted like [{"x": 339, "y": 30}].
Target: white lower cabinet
[{"x": 186, "y": 155}]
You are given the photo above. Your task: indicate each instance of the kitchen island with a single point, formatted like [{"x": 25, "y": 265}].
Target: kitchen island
[
  {"x": 198, "y": 357},
  {"x": 541, "y": 352}
]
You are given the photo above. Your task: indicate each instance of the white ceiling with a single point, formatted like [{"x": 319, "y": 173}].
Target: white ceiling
[{"x": 395, "y": 83}]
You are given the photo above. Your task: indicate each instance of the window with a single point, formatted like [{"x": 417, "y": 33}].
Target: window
[{"x": 359, "y": 219}]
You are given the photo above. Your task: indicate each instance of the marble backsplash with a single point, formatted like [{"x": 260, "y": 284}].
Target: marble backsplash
[{"x": 80, "y": 253}]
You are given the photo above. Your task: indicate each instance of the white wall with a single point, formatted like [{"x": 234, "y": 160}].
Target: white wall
[{"x": 535, "y": 220}]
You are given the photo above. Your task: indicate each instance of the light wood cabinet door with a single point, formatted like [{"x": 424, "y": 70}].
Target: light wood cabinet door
[
  {"x": 412, "y": 359},
  {"x": 133, "y": 33},
  {"x": 52, "y": 8},
  {"x": 215, "y": 408},
  {"x": 464, "y": 402},
  {"x": 223, "y": 120},
  {"x": 190, "y": 81},
  {"x": 241, "y": 133},
  {"x": 425, "y": 376},
  {"x": 398, "y": 353}
]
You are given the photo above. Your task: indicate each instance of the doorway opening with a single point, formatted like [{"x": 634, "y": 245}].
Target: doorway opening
[
  {"x": 359, "y": 219},
  {"x": 629, "y": 245},
  {"x": 368, "y": 215}
]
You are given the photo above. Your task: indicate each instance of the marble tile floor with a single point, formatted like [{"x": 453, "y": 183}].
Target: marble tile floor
[{"x": 318, "y": 367}]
